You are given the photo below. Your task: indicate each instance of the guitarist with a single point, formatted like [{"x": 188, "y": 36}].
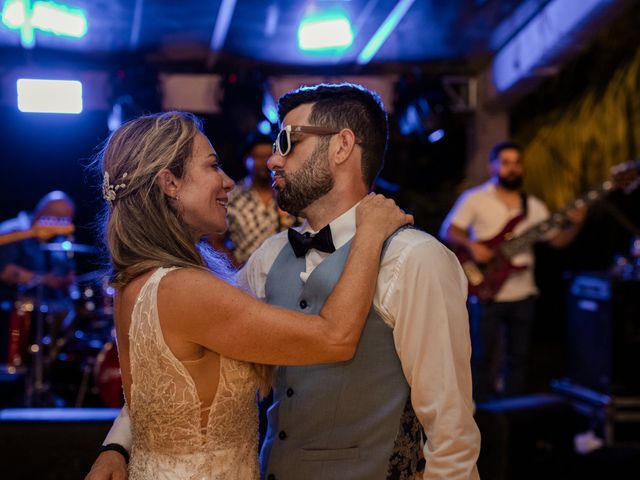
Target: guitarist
[
  {"x": 480, "y": 214},
  {"x": 24, "y": 266}
]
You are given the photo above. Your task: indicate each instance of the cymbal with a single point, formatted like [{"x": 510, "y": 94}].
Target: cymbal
[{"x": 68, "y": 246}]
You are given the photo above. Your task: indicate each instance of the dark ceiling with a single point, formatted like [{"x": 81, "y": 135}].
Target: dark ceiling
[{"x": 455, "y": 32}]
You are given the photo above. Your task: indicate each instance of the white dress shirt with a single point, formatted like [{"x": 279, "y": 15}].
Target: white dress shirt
[{"x": 421, "y": 294}]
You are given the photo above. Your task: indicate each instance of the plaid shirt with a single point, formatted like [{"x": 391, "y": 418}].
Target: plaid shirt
[{"x": 251, "y": 222}]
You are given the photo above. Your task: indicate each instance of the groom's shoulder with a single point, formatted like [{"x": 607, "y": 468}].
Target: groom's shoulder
[
  {"x": 411, "y": 244},
  {"x": 414, "y": 239}
]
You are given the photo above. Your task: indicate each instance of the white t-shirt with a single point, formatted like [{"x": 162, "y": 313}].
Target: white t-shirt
[{"x": 483, "y": 214}]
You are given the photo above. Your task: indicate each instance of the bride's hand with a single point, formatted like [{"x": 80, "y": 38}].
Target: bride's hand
[{"x": 378, "y": 216}]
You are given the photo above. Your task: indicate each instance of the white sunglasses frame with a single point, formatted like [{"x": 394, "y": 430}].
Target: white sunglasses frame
[{"x": 289, "y": 129}]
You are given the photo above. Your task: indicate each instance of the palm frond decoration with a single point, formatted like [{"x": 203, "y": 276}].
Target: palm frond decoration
[{"x": 572, "y": 148}]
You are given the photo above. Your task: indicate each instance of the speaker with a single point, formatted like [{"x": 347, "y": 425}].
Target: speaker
[
  {"x": 527, "y": 437},
  {"x": 53, "y": 444},
  {"x": 603, "y": 331}
]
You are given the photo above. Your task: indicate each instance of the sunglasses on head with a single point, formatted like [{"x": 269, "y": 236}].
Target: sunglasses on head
[{"x": 282, "y": 145}]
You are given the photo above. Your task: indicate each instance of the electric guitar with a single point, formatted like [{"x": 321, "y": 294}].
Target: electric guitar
[
  {"x": 485, "y": 280},
  {"x": 44, "y": 229}
]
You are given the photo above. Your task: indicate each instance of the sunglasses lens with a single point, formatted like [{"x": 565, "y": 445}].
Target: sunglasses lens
[{"x": 283, "y": 142}]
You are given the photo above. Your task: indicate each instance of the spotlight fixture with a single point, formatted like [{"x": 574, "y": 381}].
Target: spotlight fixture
[
  {"x": 49, "y": 96},
  {"x": 327, "y": 31}
]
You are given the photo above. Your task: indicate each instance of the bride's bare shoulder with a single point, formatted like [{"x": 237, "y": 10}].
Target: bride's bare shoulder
[
  {"x": 186, "y": 285},
  {"x": 130, "y": 291}
]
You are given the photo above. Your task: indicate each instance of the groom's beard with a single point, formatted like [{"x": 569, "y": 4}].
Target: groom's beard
[
  {"x": 310, "y": 182},
  {"x": 511, "y": 182}
]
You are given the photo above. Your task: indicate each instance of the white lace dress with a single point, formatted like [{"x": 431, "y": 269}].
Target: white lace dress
[{"x": 170, "y": 440}]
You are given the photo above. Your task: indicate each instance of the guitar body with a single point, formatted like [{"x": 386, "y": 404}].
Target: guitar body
[{"x": 485, "y": 280}]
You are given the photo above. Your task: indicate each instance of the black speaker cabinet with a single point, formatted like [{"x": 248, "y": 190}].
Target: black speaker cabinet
[
  {"x": 603, "y": 331},
  {"x": 526, "y": 438},
  {"x": 51, "y": 444}
]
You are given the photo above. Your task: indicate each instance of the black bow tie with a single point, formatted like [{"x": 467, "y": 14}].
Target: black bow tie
[{"x": 302, "y": 242}]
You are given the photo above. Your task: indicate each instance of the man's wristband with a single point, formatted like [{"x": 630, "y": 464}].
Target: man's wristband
[{"x": 116, "y": 448}]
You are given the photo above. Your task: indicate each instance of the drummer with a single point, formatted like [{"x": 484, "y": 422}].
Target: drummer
[{"x": 25, "y": 265}]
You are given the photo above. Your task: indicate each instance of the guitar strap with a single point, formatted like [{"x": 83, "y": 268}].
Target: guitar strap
[{"x": 525, "y": 204}]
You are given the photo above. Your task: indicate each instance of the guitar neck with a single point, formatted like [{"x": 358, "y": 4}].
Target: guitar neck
[
  {"x": 16, "y": 236},
  {"x": 525, "y": 240}
]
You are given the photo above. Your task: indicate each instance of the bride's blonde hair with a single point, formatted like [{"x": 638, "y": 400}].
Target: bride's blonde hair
[{"x": 141, "y": 229}]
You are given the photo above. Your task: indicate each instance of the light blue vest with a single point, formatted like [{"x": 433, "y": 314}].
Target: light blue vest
[{"x": 350, "y": 420}]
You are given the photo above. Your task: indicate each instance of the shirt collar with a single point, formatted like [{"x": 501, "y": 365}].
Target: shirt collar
[{"x": 343, "y": 228}]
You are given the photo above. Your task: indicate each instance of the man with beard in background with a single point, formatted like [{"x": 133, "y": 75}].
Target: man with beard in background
[{"x": 480, "y": 214}]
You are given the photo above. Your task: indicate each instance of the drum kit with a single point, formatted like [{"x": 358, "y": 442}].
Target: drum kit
[{"x": 64, "y": 348}]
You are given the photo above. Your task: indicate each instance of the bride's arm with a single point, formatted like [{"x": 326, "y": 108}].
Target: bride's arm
[{"x": 205, "y": 310}]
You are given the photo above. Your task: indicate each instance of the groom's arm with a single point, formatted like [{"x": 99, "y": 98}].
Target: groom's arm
[
  {"x": 120, "y": 433},
  {"x": 426, "y": 305},
  {"x": 111, "y": 464}
]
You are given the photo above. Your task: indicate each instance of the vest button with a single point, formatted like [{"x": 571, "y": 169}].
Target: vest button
[
  {"x": 303, "y": 304},
  {"x": 289, "y": 392},
  {"x": 282, "y": 435},
  {"x": 271, "y": 476}
]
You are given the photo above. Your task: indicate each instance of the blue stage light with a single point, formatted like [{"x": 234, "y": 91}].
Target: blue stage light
[
  {"x": 436, "y": 135},
  {"x": 410, "y": 122},
  {"x": 325, "y": 31},
  {"x": 264, "y": 127},
  {"x": 269, "y": 108},
  {"x": 387, "y": 185},
  {"x": 114, "y": 120},
  {"x": 49, "y": 96},
  {"x": 381, "y": 35},
  {"x": 221, "y": 27},
  {"x": 58, "y": 414}
]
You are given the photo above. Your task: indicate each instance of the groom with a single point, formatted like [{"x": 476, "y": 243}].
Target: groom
[{"x": 361, "y": 419}]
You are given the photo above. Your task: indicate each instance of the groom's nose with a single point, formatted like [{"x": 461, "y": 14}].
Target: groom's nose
[{"x": 275, "y": 162}]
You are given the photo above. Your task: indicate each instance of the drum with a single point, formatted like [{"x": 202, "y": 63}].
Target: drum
[
  {"x": 15, "y": 320},
  {"x": 93, "y": 297},
  {"x": 84, "y": 361},
  {"x": 76, "y": 356},
  {"x": 107, "y": 377}
]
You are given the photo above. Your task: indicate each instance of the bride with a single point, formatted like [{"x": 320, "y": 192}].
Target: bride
[{"x": 193, "y": 348}]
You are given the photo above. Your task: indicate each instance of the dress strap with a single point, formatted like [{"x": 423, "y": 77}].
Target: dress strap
[
  {"x": 158, "y": 275},
  {"x": 147, "y": 296}
]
